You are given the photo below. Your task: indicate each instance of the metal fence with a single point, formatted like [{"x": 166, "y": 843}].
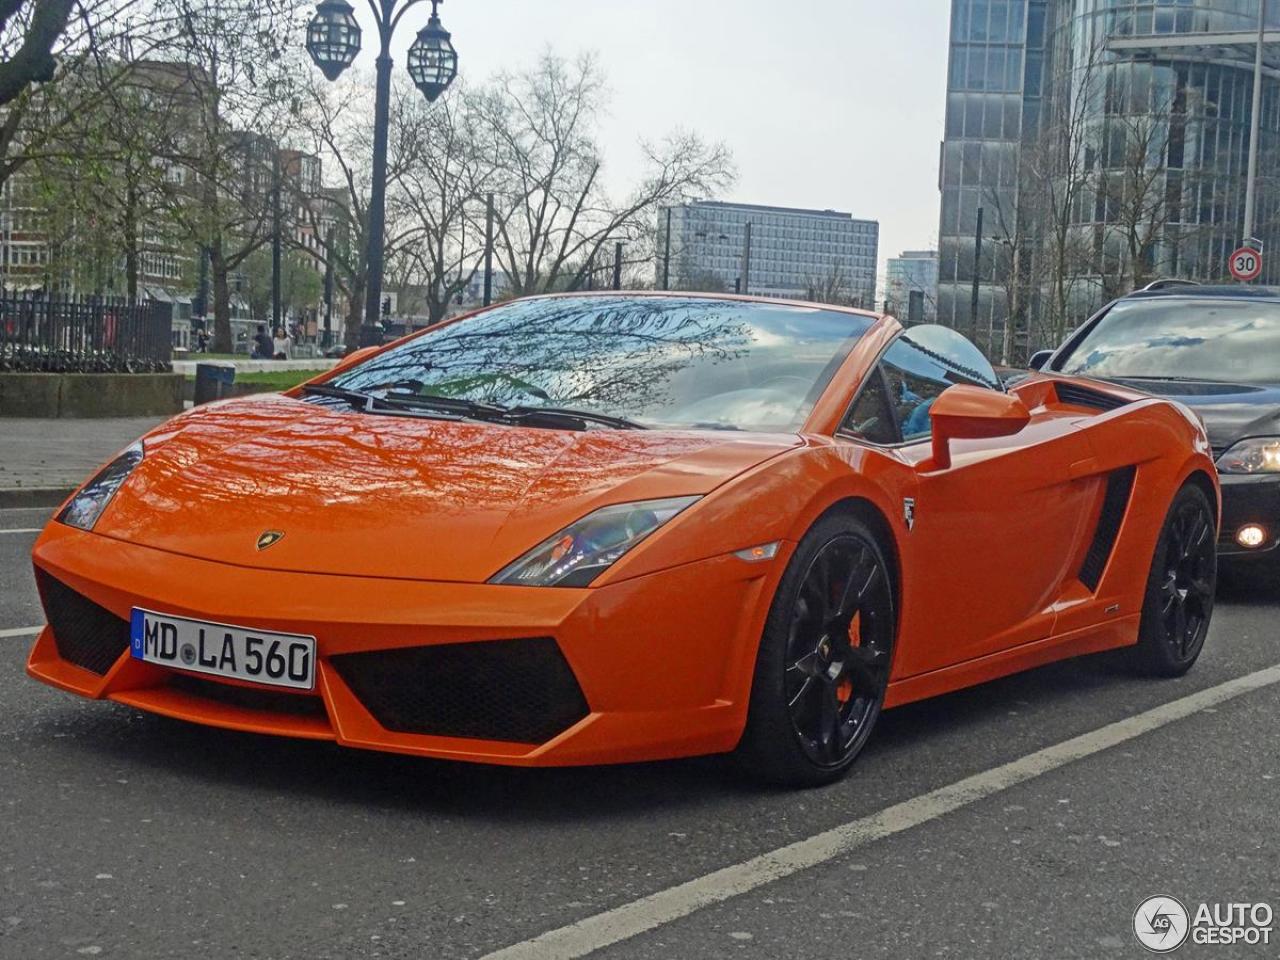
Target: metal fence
[{"x": 58, "y": 333}]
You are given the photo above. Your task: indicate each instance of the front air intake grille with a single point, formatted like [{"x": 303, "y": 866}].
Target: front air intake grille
[
  {"x": 248, "y": 698},
  {"x": 1114, "y": 504},
  {"x": 1079, "y": 396},
  {"x": 521, "y": 691},
  {"x": 86, "y": 634}
]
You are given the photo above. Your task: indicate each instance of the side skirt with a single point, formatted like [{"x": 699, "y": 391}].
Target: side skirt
[{"x": 1121, "y": 632}]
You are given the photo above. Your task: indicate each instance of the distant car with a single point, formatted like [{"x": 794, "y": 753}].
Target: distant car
[
  {"x": 337, "y": 351},
  {"x": 622, "y": 527},
  {"x": 1217, "y": 350}
]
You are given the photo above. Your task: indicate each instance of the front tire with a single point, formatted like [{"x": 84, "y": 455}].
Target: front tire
[
  {"x": 1178, "y": 604},
  {"x": 823, "y": 664}
]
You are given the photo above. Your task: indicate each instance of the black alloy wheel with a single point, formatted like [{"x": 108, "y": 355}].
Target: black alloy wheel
[
  {"x": 824, "y": 660},
  {"x": 1180, "y": 589}
]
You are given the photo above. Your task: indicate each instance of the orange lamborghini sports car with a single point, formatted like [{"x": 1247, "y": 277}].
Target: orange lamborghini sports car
[{"x": 617, "y": 527}]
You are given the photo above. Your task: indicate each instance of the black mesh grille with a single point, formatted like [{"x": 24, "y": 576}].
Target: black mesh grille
[
  {"x": 522, "y": 691},
  {"x": 1079, "y": 396},
  {"x": 269, "y": 701},
  {"x": 1114, "y": 504},
  {"x": 86, "y": 634}
]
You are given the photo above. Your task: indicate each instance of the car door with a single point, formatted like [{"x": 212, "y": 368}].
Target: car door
[{"x": 991, "y": 537}]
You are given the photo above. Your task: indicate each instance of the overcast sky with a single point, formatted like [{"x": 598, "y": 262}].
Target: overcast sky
[{"x": 824, "y": 103}]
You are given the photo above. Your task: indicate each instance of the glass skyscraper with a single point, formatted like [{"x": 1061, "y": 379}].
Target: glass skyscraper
[{"x": 1105, "y": 142}]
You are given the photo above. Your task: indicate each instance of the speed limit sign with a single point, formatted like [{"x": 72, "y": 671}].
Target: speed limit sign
[{"x": 1246, "y": 264}]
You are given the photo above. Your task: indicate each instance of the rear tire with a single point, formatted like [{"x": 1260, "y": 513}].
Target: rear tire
[
  {"x": 823, "y": 664},
  {"x": 1178, "y": 604}
]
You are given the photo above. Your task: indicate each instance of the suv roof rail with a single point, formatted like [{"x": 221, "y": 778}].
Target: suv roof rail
[{"x": 1167, "y": 282}]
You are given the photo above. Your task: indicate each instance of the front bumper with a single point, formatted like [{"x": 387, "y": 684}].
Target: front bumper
[
  {"x": 1246, "y": 500},
  {"x": 663, "y": 662}
]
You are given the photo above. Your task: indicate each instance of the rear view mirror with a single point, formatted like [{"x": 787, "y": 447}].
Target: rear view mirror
[
  {"x": 1039, "y": 359},
  {"x": 963, "y": 412}
]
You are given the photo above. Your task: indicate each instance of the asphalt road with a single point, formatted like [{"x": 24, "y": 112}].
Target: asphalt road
[{"x": 125, "y": 835}]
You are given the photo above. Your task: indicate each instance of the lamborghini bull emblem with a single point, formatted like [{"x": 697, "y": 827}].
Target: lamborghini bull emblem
[{"x": 269, "y": 538}]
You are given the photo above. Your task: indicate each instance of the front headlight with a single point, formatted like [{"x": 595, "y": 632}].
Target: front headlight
[
  {"x": 84, "y": 509},
  {"x": 583, "y": 550},
  {"x": 1256, "y": 455}
]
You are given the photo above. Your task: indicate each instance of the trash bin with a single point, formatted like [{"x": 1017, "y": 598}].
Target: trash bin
[{"x": 213, "y": 381}]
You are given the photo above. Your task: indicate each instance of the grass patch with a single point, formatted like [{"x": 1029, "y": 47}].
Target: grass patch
[{"x": 274, "y": 379}]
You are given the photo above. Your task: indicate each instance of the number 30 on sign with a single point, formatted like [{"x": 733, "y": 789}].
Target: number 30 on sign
[{"x": 1246, "y": 264}]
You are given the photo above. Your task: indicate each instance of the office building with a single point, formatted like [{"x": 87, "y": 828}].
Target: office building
[
  {"x": 1104, "y": 145},
  {"x": 793, "y": 253}
]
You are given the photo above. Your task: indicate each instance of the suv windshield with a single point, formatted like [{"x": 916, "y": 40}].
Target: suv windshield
[
  {"x": 1232, "y": 341},
  {"x": 656, "y": 361}
]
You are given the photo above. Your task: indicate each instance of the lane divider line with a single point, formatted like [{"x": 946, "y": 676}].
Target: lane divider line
[
  {"x": 658, "y": 909},
  {"x": 21, "y": 530},
  {"x": 20, "y": 632}
]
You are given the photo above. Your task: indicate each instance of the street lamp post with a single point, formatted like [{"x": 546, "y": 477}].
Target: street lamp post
[
  {"x": 333, "y": 40},
  {"x": 1255, "y": 126},
  {"x": 1015, "y": 301}
]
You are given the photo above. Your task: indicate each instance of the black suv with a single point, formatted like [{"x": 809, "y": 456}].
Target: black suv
[{"x": 1217, "y": 350}]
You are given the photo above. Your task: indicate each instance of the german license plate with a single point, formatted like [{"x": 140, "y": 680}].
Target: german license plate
[{"x": 223, "y": 650}]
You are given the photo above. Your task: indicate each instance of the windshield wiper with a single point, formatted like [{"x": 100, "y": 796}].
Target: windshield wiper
[
  {"x": 568, "y": 413},
  {"x": 361, "y": 401},
  {"x": 1134, "y": 376},
  {"x": 477, "y": 409},
  {"x": 471, "y": 408},
  {"x": 496, "y": 411},
  {"x": 368, "y": 403}
]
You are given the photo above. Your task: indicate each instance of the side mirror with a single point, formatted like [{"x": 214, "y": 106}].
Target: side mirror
[
  {"x": 1039, "y": 359},
  {"x": 963, "y": 412}
]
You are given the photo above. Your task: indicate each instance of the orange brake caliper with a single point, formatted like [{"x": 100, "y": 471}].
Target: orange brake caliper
[{"x": 845, "y": 690}]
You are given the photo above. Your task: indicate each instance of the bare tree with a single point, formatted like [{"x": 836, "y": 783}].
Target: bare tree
[
  {"x": 59, "y": 62},
  {"x": 441, "y": 199},
  {"x": 556, "y": 218},
  {"x": 29, "y": 31},
  {"x": 218, "y": 174},
  {"x": 96, "y": 182},
  {"x": 333, "y": 124},
  {"x": 1056, "y": 182},
  {"x": 829, "y": 285}
]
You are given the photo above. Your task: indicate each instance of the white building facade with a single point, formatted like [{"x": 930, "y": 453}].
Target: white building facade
[{"x": 793, "y": 253}]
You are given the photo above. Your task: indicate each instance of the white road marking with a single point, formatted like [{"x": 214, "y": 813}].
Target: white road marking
[
  {"x": 631, "y": 919},
  {"x": 21, "y": 530},
  {"x": 20, "y": 632}
]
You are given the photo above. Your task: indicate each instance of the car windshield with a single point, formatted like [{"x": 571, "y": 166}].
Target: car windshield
[
  {"x": 684, "y": 362},
  {"x": 1230, "y": 341}
]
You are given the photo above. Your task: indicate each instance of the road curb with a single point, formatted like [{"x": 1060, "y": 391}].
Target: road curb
[{"x": 20, "y": 497}]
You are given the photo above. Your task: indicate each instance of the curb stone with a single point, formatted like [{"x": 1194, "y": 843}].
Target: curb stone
[{"x": 27, "y": 497}]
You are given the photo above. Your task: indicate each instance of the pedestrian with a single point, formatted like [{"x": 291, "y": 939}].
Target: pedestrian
[
  {"x": 282, "y": 345},
  {"x": 263, "y": 346}
]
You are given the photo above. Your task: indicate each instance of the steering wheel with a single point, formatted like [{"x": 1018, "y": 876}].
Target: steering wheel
[{"x": 866, "y": 426}]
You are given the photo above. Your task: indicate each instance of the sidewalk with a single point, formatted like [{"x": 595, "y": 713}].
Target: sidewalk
[
  {"x": 41, "y": 461},
  {"x": 245, "y": 365}
]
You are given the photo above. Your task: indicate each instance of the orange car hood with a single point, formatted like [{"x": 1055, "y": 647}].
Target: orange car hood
[{"x": 396, "y": 496}]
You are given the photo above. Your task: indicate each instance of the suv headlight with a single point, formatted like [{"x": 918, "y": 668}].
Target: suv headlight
[
  {"x": 583, "y": 550},
  {"x": 1255, "y": 455},
  {"x": 84, "y": 509}
]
